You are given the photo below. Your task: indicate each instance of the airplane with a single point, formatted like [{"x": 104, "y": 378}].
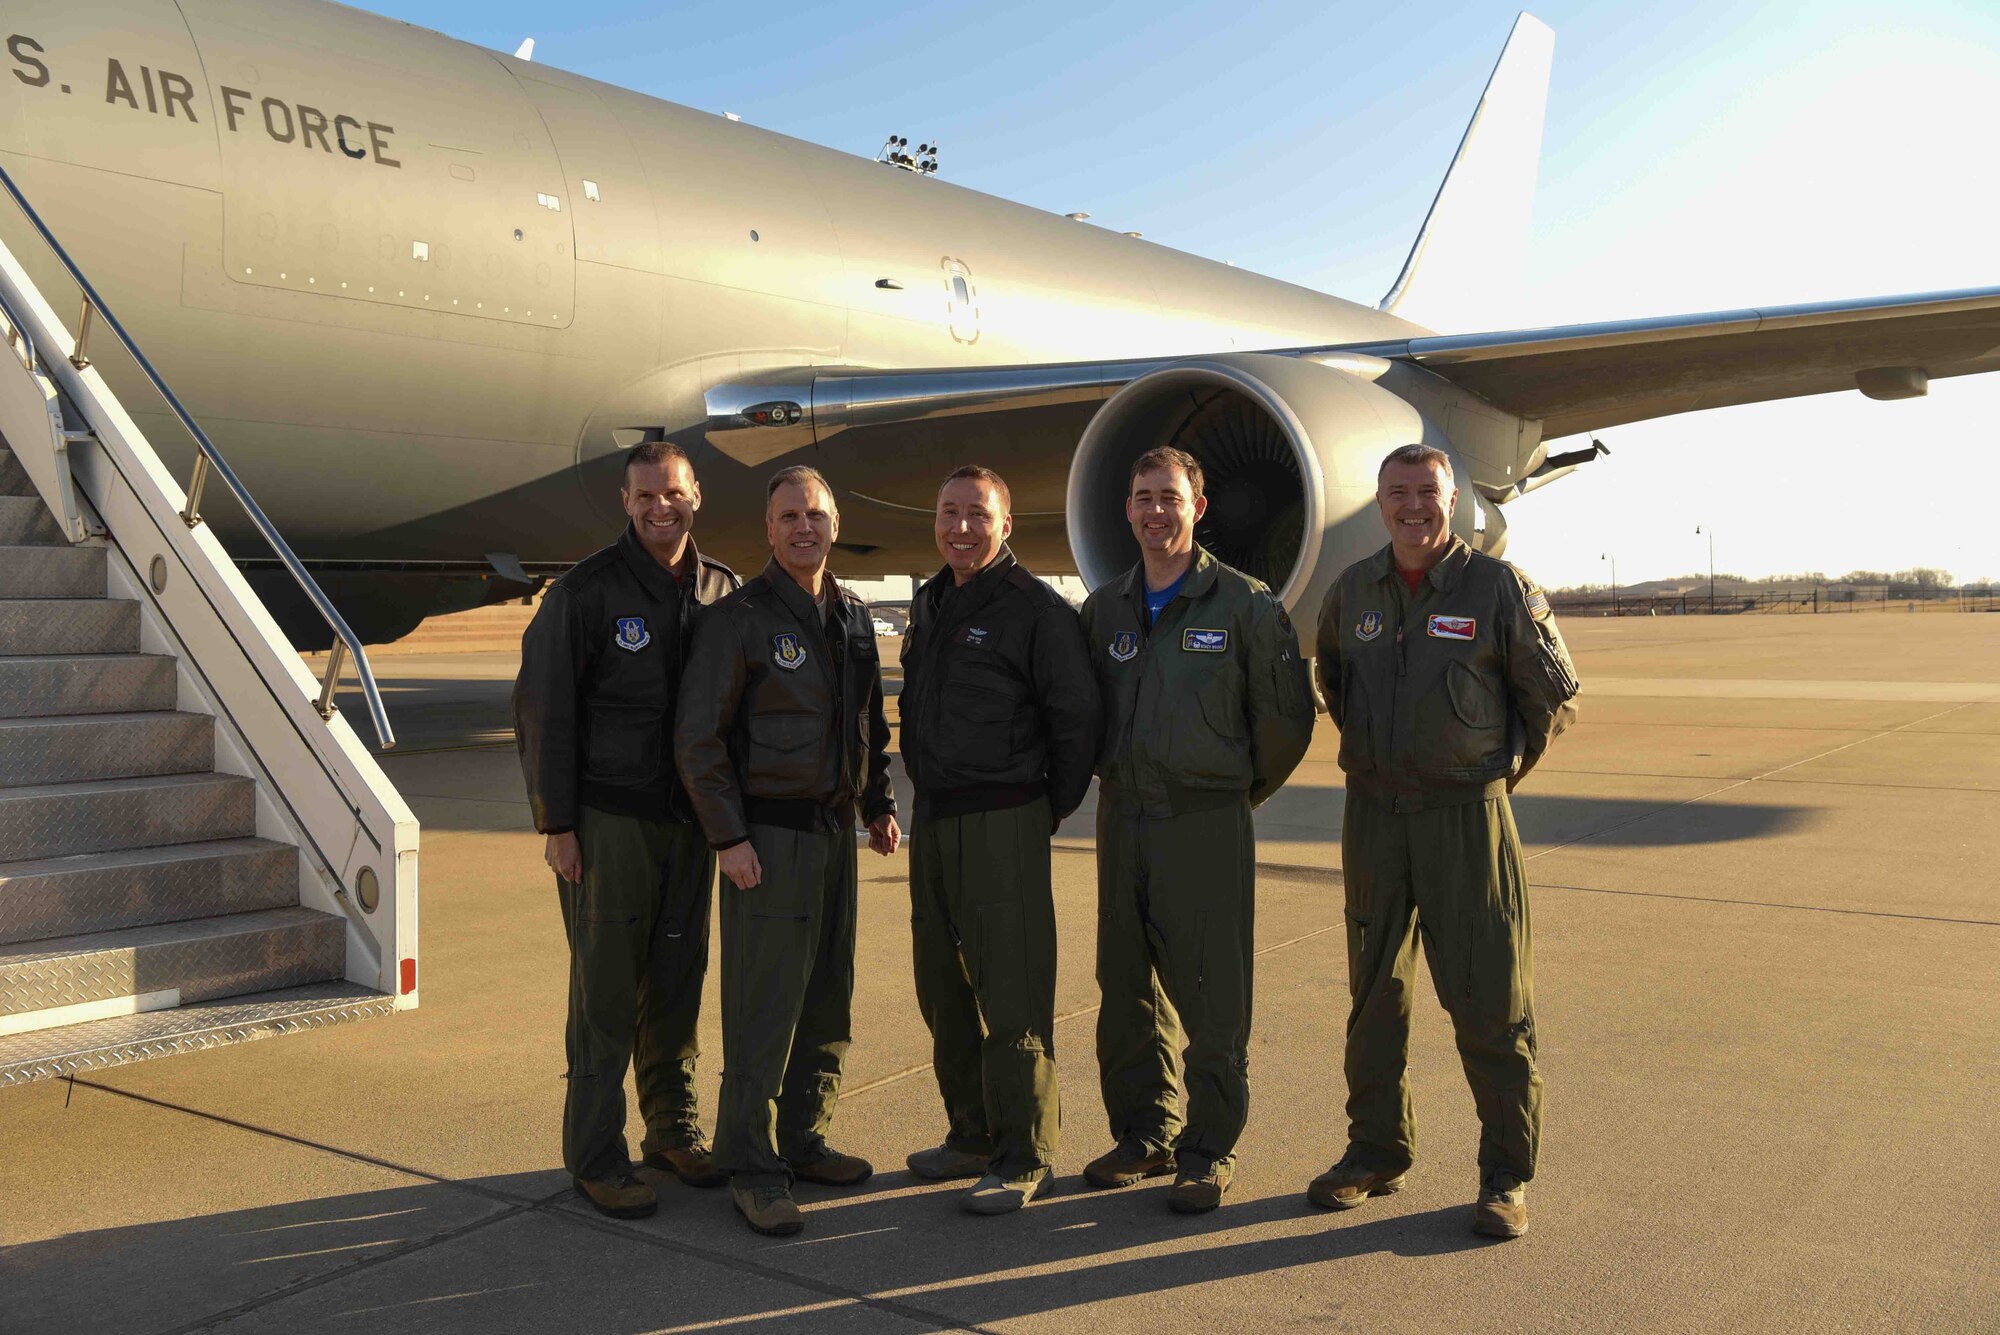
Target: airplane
[{"x": 425, "y": 295}]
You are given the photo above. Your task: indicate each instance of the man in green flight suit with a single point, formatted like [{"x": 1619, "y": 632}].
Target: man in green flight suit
[
  {"x": 1207, "y": 709},
  {"x": 1447, "y": 678}
]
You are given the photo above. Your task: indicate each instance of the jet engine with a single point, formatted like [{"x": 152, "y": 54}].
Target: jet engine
[{"x": 1289, "y": 447}]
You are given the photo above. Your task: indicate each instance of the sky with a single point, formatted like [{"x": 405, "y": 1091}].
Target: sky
[{"x": 1695, "y": 157}]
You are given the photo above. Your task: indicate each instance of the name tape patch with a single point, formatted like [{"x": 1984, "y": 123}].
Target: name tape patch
[
  {"x": 1451, "y": 628},
  {"x": 1204, "y": 641}
]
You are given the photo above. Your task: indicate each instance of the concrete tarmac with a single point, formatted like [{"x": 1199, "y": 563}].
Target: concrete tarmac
[{"x": 1768, "y": 992}]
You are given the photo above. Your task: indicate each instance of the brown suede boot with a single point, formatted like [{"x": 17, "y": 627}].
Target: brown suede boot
[
  {"x": 622, "y": 1196},
  {"x": 1123, "y": 1164},
  {"x": 768, "y": 1210},
  {"x": 1347, "y": 1184},
  {"x": 830, "y": 1168},
  {"x": 1502, "y": 1211},
  {"x": 692, "y": 1163}
]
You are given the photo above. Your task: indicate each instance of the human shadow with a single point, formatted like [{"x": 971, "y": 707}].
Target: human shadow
[{"x": 520, "y": 1251}]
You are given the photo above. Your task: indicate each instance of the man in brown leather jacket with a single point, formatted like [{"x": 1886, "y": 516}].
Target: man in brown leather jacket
[
  {"x": 1447, "y": 678},
  {"x": 594, "y": 715},
  {"x": 780, "y": 736}
]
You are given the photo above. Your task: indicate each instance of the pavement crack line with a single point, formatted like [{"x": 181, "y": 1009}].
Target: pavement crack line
[
  {"x": 1769, "y": 904},
  {"x": 744, "y": 1265},
  {"x": 515, "y": 1206},
  {"x": 353, "y": 1268}
]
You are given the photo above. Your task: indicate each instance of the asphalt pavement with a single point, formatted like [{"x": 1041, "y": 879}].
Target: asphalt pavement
[{"x": 1768, "y": 988}]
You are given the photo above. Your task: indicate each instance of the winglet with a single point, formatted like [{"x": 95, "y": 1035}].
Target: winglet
[
  {"x": 526, "y": 50},
  {"x": 1467, "y": 257}
]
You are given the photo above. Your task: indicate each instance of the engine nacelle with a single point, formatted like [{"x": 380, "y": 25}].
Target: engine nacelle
[{"x": 1289, "y": 447}]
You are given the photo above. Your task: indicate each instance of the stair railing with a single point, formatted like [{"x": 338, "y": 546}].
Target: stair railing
[{"x": 208, "y": 459}]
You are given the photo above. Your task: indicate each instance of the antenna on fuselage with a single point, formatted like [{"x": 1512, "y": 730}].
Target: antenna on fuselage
[{"x": 526, "y": 50}]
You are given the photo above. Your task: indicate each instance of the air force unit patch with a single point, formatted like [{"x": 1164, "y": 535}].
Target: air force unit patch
[
  {"x": 1204, "y": 641},
  {"x": 632, "y": 634},
  {"x": 1368, "y": 627},
  {"x": 787, "y": 652},
  {"x": 1124, "y": 646},
  {"x": 1451, "y": 628}
]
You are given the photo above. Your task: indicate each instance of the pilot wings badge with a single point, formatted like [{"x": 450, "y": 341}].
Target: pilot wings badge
[
  {"x": 1124, "y": 646},
  {"x": 788, "y": 652},
  {"x": 632, "y": 634},
  {"x": 1370, "y": 626}
]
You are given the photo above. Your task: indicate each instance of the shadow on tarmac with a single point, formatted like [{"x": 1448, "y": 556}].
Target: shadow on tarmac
[{"x": 532, "y": 1257}]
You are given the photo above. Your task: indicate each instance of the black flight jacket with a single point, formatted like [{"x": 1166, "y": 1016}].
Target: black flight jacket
[
  {"x": 999, "y": 703},
  {"x": 600, "y": 670}
]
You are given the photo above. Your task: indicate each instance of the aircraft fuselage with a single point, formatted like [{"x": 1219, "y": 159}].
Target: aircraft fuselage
[{"x": 422, "y": 293}]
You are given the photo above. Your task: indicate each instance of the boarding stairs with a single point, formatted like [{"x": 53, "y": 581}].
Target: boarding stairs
[{"x": 195, "y": 848}]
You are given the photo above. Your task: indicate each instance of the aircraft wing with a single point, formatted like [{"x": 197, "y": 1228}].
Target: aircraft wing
[
  {"x": 1590, "y": 376},
  {"x": 1573, "y": 378}
]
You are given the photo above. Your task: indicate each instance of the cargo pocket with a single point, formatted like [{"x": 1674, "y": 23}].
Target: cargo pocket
[
  {"x": 999, "y": 968},
  {"x": 1490, "y": 964}
]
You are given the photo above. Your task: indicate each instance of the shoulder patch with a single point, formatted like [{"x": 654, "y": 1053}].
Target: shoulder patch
[
  {"x": 1538, "y": 603},
  {"x": 632, "y": 635}
]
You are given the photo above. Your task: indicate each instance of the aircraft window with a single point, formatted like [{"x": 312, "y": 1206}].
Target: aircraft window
[
  {"x": 549, "y": 202},
  {"x": 590, "y": 191},
  {"x": 960, "y": 293},
  {"x": 420, "y": 250}
]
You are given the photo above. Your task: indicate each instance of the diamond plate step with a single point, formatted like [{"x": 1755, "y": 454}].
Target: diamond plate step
[
  {"x": 69, "y": 626},
  {"x": 14, "y": 480},
  {"x": 97, "y": 1044},
  {"x": 34, "y": 686},
  {"x": 58, "y": 819},
  {"x": 104, "y": 746},
  {"x": 203, "y": 959},
  {"x": 26, "y": 522},
  {"x": 51, "y": 572},
  {"x": 99, "y": 892}
]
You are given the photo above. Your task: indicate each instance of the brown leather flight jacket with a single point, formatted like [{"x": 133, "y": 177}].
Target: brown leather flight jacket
[
  {"x": 780, "y": 718},
  {"x": 1451, "y": 695}
]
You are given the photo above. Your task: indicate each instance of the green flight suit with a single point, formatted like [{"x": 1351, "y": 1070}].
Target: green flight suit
[
  {"x": 787, "y": 1000},
  {"x": 1444, "y": 699},
  {"x": 1207, "y": 713},
  {"x": 781, "y": 737},
  {"x": 638, "y": 940},
  {"x": 983, "y": 937}
]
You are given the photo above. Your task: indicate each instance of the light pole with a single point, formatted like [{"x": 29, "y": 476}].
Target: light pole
[
  {"x": 1710, "y": 531},
  {"x": 1607, "y": 556}
]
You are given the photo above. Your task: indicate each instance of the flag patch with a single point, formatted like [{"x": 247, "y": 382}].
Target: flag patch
[
  {"x": 1451, "y": 628},
  {"x": 1538, "y": 604}
]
